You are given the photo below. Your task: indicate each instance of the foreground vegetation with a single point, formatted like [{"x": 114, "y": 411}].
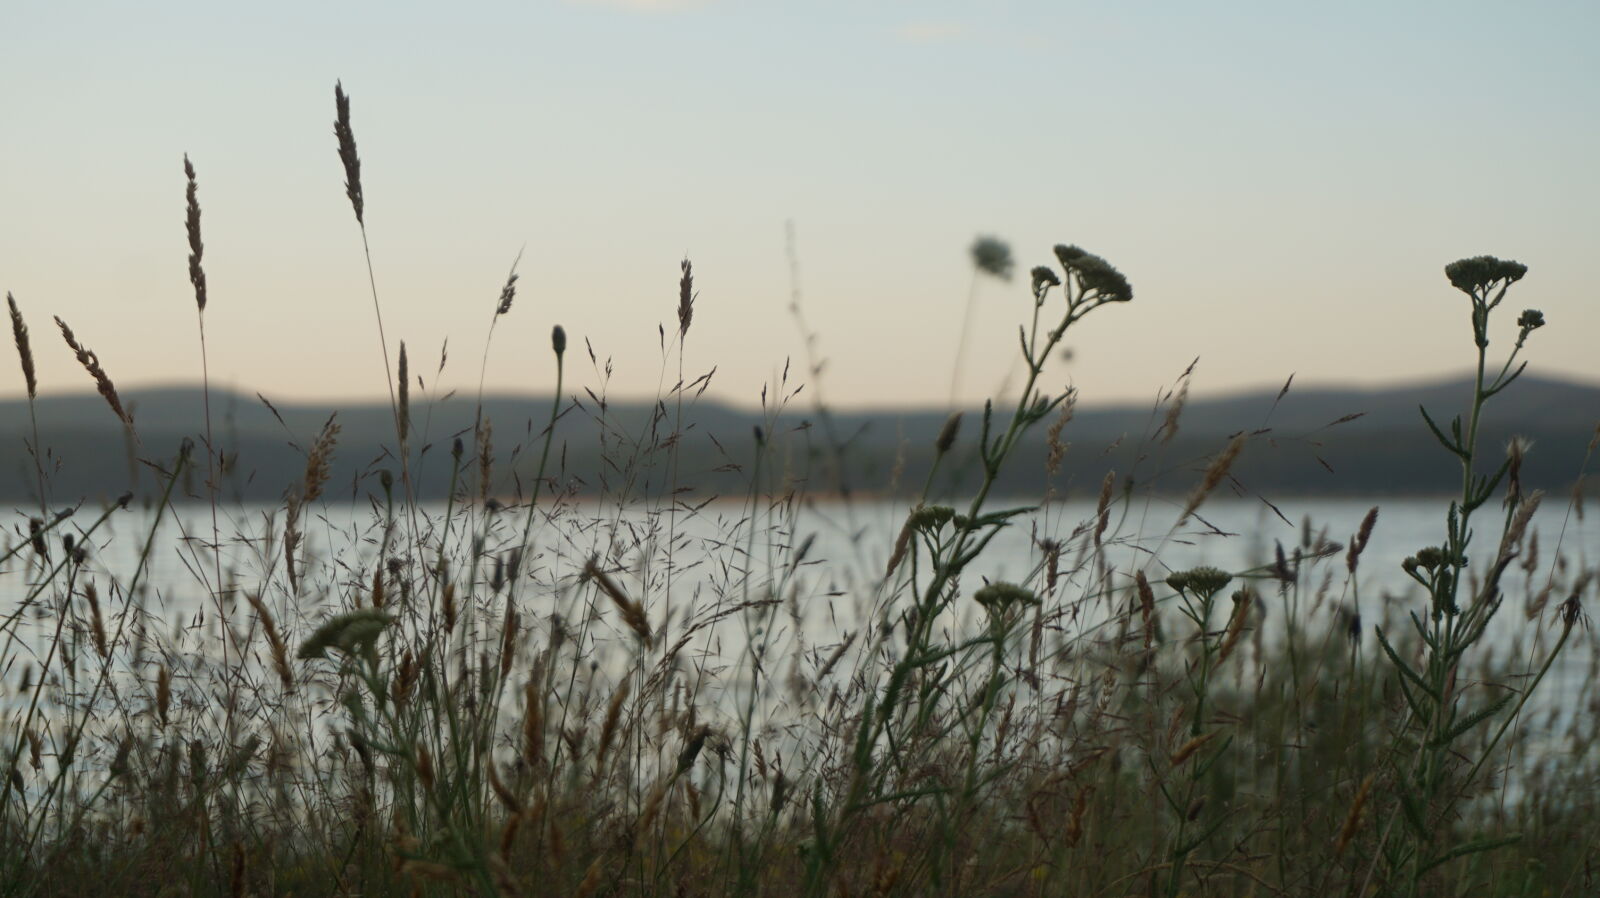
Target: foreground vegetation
[{"x": 526, "y": 696}]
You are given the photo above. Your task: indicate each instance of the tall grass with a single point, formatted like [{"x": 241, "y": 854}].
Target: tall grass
[{"x": 626, "y": 688}]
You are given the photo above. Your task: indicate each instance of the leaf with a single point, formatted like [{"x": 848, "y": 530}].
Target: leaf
[
  {"x": 1472, "y": 847},
  {"x": 1416, "y": 706},
  {"x": 1211, "y": 761},
  {"x": 1471, "y": 721},
  {"x": 1446, "y": 442},
  {"x": 1405, "y": 669}
]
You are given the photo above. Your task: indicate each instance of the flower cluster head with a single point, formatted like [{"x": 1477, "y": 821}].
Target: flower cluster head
[
  {"x": 1480, "y": 274},
  {"x": 1095, "y": 275},
  {"x": 1530, "y": 319},
  {"x": 1044, "y": 279},
  {"x": 1200, "y": 581},
  {"x": 1429, "y": 559},
  {"x": 991, "y": 255},
  {"x": 998, "y": 597},
  {"x": 357, "y": 631},
  {"x": 932, "y": 517}
]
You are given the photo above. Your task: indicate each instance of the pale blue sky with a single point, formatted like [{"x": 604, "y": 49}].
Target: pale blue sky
[{"x": 1282, "y": 182}]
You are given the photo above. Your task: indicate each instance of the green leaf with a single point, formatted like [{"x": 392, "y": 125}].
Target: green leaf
[
  {"x": 1416, "y": 706},
  {"x": 1472, "y": 847},
  {"x": 1446, "y": 442},
  {"x": 1471, "y": 721},
  {"x": 1422, "y": 631},
  {"x": 1201, "y": 770},
  {"x": 1405, "y": 669},
  {"x": 1505, "y": 381},
  {"x": 1486, "y": 485}
]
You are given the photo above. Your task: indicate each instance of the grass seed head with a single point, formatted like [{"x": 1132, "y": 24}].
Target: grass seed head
[
  {"x": 686, "y": 298},
  {"x": 197, "y": 274},
  {"x": 1216, "y": 472},
  {"x": 1188, "y": 749},
  {"x": 1359, "y": 544},
  {"x": 347, "y": 152},
  {"x": 508, "y": 293},
  {"x": 403, "y": 412},
  {"x": 91, "y": 364},
  {"x": 19, "y": 335},
  {"x": 947, "y": 434},
  {"x": 163, "y": 693},
  {"x": 632, "y": 613}
]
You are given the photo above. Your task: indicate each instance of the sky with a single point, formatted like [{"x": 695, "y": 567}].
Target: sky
[{"x": 1282, "y": 183}]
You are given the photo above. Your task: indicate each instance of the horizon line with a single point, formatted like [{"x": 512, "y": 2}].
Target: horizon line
[{"x": 1288, "y": 387}]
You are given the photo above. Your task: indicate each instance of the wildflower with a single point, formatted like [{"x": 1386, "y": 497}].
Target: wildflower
[
  {"x": 1097, "y": 276},
  {"x": 1430, "y": 557},
  {"x": 1530, "y": 319},
  {"x": 1477, "y": 275},
  {"x": 1204, "y": 581},
  {"x": 1000, "y": 596},
  {"x": 932, "y": 517},
  {"x": 1044, "y": 279},
  {"x": 1069, "y": 254},
  {"x": 992, "y": 256}
]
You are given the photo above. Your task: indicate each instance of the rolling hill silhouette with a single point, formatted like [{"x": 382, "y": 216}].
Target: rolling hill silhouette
[{"x": 1326, "y": 441}]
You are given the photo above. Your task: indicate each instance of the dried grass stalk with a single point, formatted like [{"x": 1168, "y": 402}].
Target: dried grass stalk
[
  {"x": 19, "y": 335},
  {"x": 485, "y": 458},
  {"x": 447, "y": 599},
  {"x": 347, "y": 152},
  {"x": 509, "y": 291},
  {"x": 501, "y": 791},
  {"x": 1102, "y": 510},
  {"x": 1147, "y": 607},
  {"x": 1241, "y": 613},
  {"x": 1188, "y": 749},
  {"x": 686, "y": 297},
  {"x": 632, "y": 613},
  {"x": 424, "y": 764},
  {"x": 608, "y": 730},
  {"x": 591, "y": 879},
  {"x": 1169, "y": 426},
  {"x": 96, "y": 623},
  {"x": 91, "y": 364},
  {"x": 163, "y": 693},
  {"x": 275, "y": 643},
  {"x": 532, "y": 725},
  {"x": 1216, "y": 472},
  {"x": 509, "y": 630},
  {"x": 1359, "y": 544},
  {"x": 197, "y": 274},
  {"x": 404, "y": 380},
  {"x": 1352, "y": 820}
]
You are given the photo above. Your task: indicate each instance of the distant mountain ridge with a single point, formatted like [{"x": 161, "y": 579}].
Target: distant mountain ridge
[{"x": 1379, "y": 444}]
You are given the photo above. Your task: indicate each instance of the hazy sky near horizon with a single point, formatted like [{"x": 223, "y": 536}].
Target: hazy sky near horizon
[{"x": 1281, "y": 182}]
